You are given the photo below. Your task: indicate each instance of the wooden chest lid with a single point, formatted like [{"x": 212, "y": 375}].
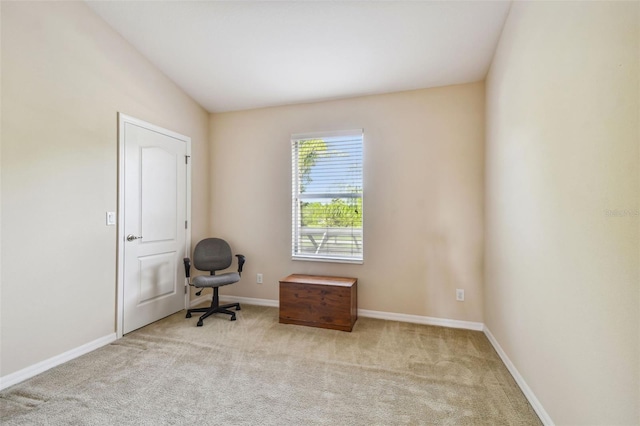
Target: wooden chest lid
[{"x": 319, "y": 280}]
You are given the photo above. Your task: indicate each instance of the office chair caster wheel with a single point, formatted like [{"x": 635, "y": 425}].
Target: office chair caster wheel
[
  {"x": 199, "y": 324},
  {"x": 233, "y": 318},
  {"x": 238, "y": 308},
  {"x": 188, "y": 315}
]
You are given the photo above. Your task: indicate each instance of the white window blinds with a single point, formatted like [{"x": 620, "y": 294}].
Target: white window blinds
[{"x": 327, "y": 196}]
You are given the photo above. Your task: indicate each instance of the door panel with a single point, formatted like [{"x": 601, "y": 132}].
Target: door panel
[
  {"x": 157, "y": 273},
  {"x": 155, "y": 208},
  {"x": 159, "y": 197}
]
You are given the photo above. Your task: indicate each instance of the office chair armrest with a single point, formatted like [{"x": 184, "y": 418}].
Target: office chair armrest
[
  {"x": 187, "y": 267},
  {"x": 241, "y": 260}
]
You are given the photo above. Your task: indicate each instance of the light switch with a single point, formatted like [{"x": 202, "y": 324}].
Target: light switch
[{"x": 111, "y": 218}]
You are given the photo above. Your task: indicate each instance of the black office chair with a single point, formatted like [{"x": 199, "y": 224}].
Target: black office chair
[{"x": 213, "y": 254}]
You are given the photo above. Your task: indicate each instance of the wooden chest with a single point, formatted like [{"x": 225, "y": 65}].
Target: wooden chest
[{"x": 319, "y": 301}]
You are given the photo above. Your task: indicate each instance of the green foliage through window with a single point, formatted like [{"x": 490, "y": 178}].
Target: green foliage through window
[{"x": 336, "y": 214}]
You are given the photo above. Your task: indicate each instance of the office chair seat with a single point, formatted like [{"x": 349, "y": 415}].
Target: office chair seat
[{"x": 216, "y": 280}]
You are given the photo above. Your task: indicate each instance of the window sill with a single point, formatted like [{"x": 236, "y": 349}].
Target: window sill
[{"x": 328, "y": 259}]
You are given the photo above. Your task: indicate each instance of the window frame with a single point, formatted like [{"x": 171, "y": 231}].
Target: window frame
[{"x": 296, "y": 197}]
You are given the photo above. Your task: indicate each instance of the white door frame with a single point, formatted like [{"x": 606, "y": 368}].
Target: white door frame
[{"x": 122, "y": 119}]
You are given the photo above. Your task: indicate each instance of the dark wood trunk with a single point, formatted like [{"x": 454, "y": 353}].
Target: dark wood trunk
[{"x": 319, "y": 301}]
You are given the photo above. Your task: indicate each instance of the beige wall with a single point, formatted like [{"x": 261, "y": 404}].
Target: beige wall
[
  {"x": 65, "y": 75},
  {"x": 561, "y": 281},
  {"x": 423, "y": 200}
]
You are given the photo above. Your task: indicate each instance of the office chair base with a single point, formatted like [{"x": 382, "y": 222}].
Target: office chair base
[{"x": 215, "y": 308}]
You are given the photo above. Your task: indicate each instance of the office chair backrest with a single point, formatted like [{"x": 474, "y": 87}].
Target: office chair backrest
[{"x": 212, "y": 254}]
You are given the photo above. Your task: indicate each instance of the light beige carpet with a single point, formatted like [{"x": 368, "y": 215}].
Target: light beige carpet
[{"x": 255, "y": 371}]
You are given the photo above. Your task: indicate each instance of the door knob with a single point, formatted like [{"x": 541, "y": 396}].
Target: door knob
[{"x": 132, "y": 237}]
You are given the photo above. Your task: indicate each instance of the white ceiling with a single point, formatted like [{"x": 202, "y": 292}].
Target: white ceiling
[{"x": 237, "y": 55}]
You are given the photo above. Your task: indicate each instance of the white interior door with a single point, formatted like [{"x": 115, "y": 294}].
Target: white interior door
[{"x": 154, "y": 230}]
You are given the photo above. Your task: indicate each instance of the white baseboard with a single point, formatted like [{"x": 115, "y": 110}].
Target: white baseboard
[
  {"x": 233, "y": 299},
  {"x": 41, "y": 367},
  {"x": 419, "y": 319},
  {"x": 199, "y": 300},
  {"x": 251, "y": 301},
  {"x": 526, "y": 390}
]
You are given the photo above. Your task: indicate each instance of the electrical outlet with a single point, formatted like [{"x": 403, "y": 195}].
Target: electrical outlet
[
  {"x": 460, "y": 295},
  {"x": 259, "y": 279}
]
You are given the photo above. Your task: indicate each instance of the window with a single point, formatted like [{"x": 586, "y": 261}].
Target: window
[{"x": 327, "y": 196}]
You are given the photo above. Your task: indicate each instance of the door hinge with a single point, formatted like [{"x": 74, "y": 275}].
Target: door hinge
[
  {"x": 186, "y": 159},
  {"x": 186, "y": 224}
]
